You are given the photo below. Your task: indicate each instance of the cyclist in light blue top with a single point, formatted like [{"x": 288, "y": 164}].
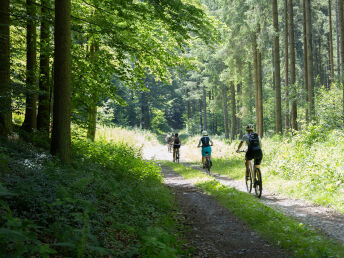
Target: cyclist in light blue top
[{"x": 206, "y": 144}]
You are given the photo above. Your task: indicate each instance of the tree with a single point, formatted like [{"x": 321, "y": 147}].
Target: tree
[
  {"x": 331, "y": 41},
  {"x": 233, "y": 110},
  {"x": 61, "y": 134},
  {"x": 286, "y": 65},
  {"x": 30, "y": 121},
  {"x": 43, "y": 115},
  {"x": 292, "y": 64},
  {"x": 225, "y": 109},
  {"x": 278, "y": 108},
  {"x": 309, "y": 60},
  {"x": 5, "y": 89}
]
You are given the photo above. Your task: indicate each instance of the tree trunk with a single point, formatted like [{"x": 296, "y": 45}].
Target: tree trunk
[
  {"x": 145, "y": 116},
  {"x": 204, "y": 109},
  {"x": 292, "y": 64},
  {"x": 255, "y": 66},
  {"x": 286, "y": 65},
  {"x": 225, "y": 109},
  {"x": 305, "y": 68},
  {"x": 278, "y": 106},
  {"x": 260, "y": 125},
  {"x": 200, "y": 113},
  {"x": 309, "y": 61},
  {"x": 5, "y": 89},
  {"x": 338, "y": 38},
  {"x": 30, "y": 121},
  {"x": 233, "y": 111},
  {"x": 92, "y": 122},
  {"x": 331, "y": 42},
  {"x": 341, "y": 26},
  {"x": 238, "y": 120},
  {"x": 61, "y": 135},
  {"x": 43, "y": 116}
]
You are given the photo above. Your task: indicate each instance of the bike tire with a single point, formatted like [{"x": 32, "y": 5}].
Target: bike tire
[
  {"x": 248, "y": 181},
  {"x": 258, "y": 182}
]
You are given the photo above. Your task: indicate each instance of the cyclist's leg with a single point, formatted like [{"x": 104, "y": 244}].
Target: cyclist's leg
[
  {"x": 247, "y": 164},
  {"x": 174, "y": 154},
  {"x": 258, "y": 158}
]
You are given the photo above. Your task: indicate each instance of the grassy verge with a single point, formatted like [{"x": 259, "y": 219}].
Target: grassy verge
[
  {"x": 108, "y": 202},
  {"x": 271, "y": 224}
]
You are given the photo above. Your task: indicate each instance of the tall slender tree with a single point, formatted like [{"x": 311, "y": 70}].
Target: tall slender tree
[
  {"x": 233, "y": 110},
  {"x": 292, "y": 64},
  {"x": 225, "y": 109},
  {"x": 286, "y": 65},
  {"x": 305, "y": 65},
  {"x": 61, "y": 132},
  {"x": 310, "y": 78},
  {"x": 278, "y": 107},
  {"x": 260, "y": 125},
  {"x": 43, "y": 116},
  {"x": 341, "y": 26},
  {"x": 204, "y": 109},
  {"x": 331, "y": 40},
  {"x": 30, "y": 121},
  {"x": 5, "y": 89}
]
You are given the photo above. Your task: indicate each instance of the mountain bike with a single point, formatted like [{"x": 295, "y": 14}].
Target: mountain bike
[
  {"x": 208, "y": 162},
  {"x": 254, "y": 179}
]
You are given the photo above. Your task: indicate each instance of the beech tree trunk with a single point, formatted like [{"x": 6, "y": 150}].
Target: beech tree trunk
[
  {"x": 309, "y": 61},
  {"x": 286, "y": 66},
  {"x": 233, "y": 111},
  {"x": 43, "y": 116},
  {"x": 5, "y": 89},
  {"x": 292, "y": 64},
  {"x": 278, "y": 107},
  {"x": 238, "y": 119},
  {"x": 61, "y": 135},
  {"x": 260, "y": 125},
  {"x": 338, "y": 38},
  {"x": 30, "y": 121},
  {"x": 225, "y": 109},
  {"x": 331, "y": 42},
  {"x": 256, "y": 79}
]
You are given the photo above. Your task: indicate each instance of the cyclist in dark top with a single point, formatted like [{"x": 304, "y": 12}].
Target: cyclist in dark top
[
  {"x": 254, "y": 150},
  {"x": 206, "y": 144},
  {"x": 176, "y": 142}
]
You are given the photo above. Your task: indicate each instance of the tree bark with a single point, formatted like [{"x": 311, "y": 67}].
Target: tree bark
[
  {"x": 30, "y": 121},
  {"x": 5, "y": 89},
  {"x": 225, "y": 109},
  {"x": 309, "y": 61},
  {"x": 278, "y": 107},
  {"x": 233, "y": 111},
  {"x": 256, "y": 80},
  {"x": 292, "y": 64},
  {"x": 260, "y": 125},
  {"x": 204, "y": 109},
  {"x": 145, "y": 116},
  {"x": 43, "y": 116},
  {"x": 341, "y": 26},
  {"x": 331, "y": 42},
  {"x": 338, "y": 39},
  {"x": 286, "y": 66},
  {"x": 61, "y": 135},
  {"x": 238, "y": 119},
  {"x": 305, "y": 68}
]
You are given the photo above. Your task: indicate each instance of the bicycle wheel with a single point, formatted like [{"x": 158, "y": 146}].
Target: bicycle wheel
[
  {"x": 177, "y": 155},
  {"x": 258, "y": 183},
  {"x": 207, "y": 164},
  {"x": 248, "y": 181}
]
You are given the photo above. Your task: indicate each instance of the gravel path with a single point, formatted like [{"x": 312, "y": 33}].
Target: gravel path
[
  {"x": 326, "y": 220},
  {"x": 214, "y": 231}
]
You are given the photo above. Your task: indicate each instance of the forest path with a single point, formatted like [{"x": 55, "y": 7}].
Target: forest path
[
  {"x": 324, "y": 219},
  {"x": 214, "y": 231}
]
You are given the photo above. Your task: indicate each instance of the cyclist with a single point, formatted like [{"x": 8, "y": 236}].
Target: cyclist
[
  {"x": 176, "y": 142},
  {"x": 168, "y": 140},
  {"x": 254, "y": 150},
  {"x": 206, "y": 144}
]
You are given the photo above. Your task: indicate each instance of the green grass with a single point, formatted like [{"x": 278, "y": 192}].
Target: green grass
[
  {"x": 108, "y": 202},
  {"x": 269, "y": 223},
  {"x": 233, "y": 168}
]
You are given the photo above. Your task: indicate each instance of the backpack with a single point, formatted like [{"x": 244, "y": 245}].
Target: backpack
[
  {"x": 176, "y": 141},
  {"x": 205, "y": 141},
  {"x": 253, "y": 140}
]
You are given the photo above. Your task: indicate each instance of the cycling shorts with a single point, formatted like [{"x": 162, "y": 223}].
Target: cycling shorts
[
  {"x": 257, "y": 155},
  {"x": 176, "y": 146},
  {"x": 206, "y": 149}
]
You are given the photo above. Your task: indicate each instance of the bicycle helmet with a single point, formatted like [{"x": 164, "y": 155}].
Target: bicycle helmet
[
  {"x": 204, "y": 132},
  {"x": 249, "y": 127}
]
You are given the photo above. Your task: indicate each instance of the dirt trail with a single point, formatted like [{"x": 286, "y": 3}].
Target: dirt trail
[
  {"x": 215, "y": 232},
  {"x": 326, "y": 220}
]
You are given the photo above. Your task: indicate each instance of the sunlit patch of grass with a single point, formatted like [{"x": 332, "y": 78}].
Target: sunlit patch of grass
[
  {"x": 233, "y": 168},
  {"x": 273, "y": 225}
]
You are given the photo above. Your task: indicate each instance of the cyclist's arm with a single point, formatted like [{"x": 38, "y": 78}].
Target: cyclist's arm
[
  {"x": 240, "y": 145},
  {"x": 199, "y": 144}
]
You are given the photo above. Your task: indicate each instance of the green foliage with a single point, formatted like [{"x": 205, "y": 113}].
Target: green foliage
[
  {"x": 108, "y": 202},
  {"x": 273, "y": 225},
  {"x": 159, "y": 123}
]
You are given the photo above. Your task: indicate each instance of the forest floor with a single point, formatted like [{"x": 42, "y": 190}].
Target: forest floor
[{"x": 216, "y": 232}]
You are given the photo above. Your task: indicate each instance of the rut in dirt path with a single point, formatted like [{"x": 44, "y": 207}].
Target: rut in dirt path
[
  {"x": 326, "y": 220},
  {"x": 215, "y": 232}
]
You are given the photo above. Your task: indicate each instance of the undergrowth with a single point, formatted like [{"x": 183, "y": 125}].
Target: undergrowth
[
  {"x": 108, "y": 202},
  {"x": 271, "y": 224}
]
